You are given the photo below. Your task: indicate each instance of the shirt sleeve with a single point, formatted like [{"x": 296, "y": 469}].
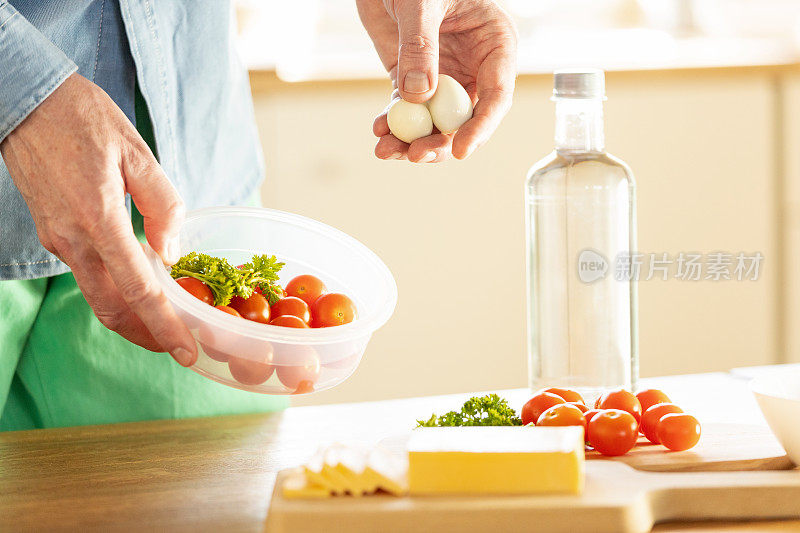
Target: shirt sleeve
[{"x": 31, "y": 67}]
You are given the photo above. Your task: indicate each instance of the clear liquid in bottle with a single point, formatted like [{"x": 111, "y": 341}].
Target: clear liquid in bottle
[{"x": 581, "y": 229}]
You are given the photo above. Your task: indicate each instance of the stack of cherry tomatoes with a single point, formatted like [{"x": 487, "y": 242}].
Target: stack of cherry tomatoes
[
  {"x": 305, "y": 303},
  {"x": 612, "y": 427}
]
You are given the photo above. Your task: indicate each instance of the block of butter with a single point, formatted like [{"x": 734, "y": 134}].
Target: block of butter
[{"x": 496, "y": 460}]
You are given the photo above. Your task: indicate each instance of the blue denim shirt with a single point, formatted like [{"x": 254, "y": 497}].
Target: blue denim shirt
[{"x": 181, "y": 53}]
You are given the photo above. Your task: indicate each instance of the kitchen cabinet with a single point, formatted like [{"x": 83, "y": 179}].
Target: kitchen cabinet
[
  {"x": 706, "y": 147},
  {"x": 788, "y": 211}
]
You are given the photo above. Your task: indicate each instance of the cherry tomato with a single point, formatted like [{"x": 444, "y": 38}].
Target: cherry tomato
[
  {"x": 652, "y": 416},
  {"x": 255, "y": 308},
  {"x": 210, "y": 351},
  {"x": 678, "y": 431},
  {"x": 302, "y": 365},
  {"x": 214, "y": 354},
  {"x": 579, "y": 405},
  {"x": 569, "y": 395},
  {"x": 650, "y": 397},
  {"x": 288, "y": 321},
  {"x": 613, "y": 432},
  {"x": 537, "y": 405},
  {"x": 197, "y": 288},
  {"x": 229, "y": 310},
  {"x": 563, "y": 414},
  {"x": 588, "y": 415},
  {"x": 591, "y": 413},
  {"x": 306, "y": 287},
  {"x": 291, "y": 305},
  {"x": 304, "y": 387},
  {"x": 332, "y": 309},
  {"x": 621, "y": 399},
  {"x": 252, "y": 371}
]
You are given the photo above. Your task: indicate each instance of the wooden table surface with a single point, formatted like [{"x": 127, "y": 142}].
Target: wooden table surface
[{"x": 217, "y": 473}]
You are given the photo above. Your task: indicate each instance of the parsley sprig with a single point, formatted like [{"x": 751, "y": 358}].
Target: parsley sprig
[
  {"x": 489, "y": 410},
  {"x": 227, "y": 281},
  {"x": 262, "y": 272}
]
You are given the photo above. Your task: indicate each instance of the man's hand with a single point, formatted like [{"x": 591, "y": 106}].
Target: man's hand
[
  {"x": 73, "y": 159},
  {"x": 474, "y": 41}
]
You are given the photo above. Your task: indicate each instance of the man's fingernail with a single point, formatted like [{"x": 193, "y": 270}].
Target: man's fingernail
[
  {"x": 428, "y": 157},
  {"x": 416, "y": 82},
  {"x": 395, "y": 155},
  {"x": 183, "y": 356}
]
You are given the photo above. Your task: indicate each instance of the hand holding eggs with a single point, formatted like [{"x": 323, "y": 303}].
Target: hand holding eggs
[{"x": 448, "y": 109}]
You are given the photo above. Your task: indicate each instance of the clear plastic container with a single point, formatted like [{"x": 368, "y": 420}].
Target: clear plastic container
[{"x": 273, "y": 359}]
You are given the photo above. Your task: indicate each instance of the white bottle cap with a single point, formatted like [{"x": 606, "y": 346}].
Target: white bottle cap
[{"x": 579, "y": 83}]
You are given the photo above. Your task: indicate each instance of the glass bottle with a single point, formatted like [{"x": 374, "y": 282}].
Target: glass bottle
[{"x": 581, "y": 239}]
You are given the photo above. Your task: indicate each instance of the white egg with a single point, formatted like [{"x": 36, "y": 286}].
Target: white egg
[
  {"x": 450, "y": 105},
  {"x": 408, "y": 121}
]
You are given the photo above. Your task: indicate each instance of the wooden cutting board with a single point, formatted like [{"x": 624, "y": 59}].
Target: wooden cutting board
[
  {"x": 617, "y": 499},
  {"x": 722, "y": 447}
]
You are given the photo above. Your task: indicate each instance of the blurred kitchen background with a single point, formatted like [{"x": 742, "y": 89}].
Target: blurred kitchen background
[{"x": 703, "y": 103}]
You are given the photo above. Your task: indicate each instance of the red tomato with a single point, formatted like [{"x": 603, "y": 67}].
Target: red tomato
[
  {"x": 621, "y": 399},
  {"x": 306, "y": 287},
  {"x": 651, "y": 418},
  {"x": 252, "y": 371},
  {"x": 291, "y": 305},
  {"x": 255, "y": 308},
  {"x": 304, "y": 387},
  {"x": 213, "y": 353},
  {"x": 229, "y": 310},
  {"x": 678, "y": 431},
  {"x": 648, "y": 397},
  {"x": 613, "y": 432},
  {"x": 588, "y": 415},
  {"x": 569, "y": 395},
  {"x": 579, "y": 405},
  {"x": 591, "y": 413},
  {"x": 332, "y": 309},
  {"x": 302, "y": 365},
  {"x": 563, "y": 414},
  {"x": 288, "y": 321},
  {"x": 197, "y": 288},
  {"x": 537, "y": 405}
]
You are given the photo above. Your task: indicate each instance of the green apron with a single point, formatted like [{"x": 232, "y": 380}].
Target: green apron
[{"x": 60, "y": 367}]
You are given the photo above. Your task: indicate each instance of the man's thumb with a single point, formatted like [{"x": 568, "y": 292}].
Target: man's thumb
[{"x": 418, "y": 61}]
